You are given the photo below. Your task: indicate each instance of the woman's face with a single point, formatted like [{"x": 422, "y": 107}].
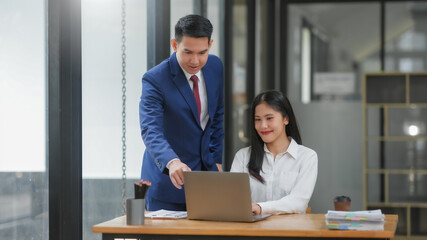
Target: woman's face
[{"x": 269, "y": 123}]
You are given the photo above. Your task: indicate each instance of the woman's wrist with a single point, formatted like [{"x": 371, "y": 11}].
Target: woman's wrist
[{"x": 260, "y": 208}]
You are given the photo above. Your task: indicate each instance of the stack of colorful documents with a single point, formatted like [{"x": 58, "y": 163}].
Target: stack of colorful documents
[{"x": 359, "y": 220}]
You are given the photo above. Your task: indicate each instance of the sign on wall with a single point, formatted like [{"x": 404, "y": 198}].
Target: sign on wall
[{"x": 330, "y": 83}]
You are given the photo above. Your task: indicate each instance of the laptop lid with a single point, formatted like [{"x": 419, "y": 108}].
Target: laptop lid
[{"x": 219, "y": 196}]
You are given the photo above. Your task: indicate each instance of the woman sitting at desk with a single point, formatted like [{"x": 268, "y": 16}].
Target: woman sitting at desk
[{"x": 282, "y": 171}]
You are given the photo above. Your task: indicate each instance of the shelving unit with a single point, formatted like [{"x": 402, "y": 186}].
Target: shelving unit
[{"x": 395, "y": 149}]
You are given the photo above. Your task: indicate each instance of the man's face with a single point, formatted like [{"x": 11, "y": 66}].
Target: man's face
[{"x": 192, "y": 53}]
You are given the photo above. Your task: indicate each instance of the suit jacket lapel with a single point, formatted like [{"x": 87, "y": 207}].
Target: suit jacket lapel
[
  {"x": 182, "y": 84},
  {"x": 210, "y": 90}
]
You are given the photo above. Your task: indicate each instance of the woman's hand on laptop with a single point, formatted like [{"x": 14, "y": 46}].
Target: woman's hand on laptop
[
  {"x": 176, "y": 169},
  {"x": 256, "y": 209}
]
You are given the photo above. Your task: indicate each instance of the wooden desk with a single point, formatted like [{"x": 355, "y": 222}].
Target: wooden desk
[{"x": 294, "y": 226}]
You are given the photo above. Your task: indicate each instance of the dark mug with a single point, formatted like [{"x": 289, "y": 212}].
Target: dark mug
[{"x": 342, "y": 203}]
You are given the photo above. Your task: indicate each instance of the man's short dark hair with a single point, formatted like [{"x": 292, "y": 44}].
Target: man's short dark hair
[{"x": 193, "y": 26}]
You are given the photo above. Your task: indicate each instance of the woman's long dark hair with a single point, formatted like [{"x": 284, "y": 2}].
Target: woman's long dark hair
[{"x": 278, "y": 102}]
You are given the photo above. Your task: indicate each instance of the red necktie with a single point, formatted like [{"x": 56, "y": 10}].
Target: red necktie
[{"x": 194, "y": 79}]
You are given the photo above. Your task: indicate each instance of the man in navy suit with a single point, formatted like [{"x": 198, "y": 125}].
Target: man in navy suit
[{"x": 181, "y": 114}]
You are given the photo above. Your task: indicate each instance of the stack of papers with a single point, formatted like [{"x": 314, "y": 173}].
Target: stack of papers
[
  {"x": 166, "y": 214},
  {"x": 372, "y": 220}
]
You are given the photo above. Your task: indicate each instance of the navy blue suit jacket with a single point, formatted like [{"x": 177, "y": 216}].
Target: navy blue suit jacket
[{"x": 170, "y": 124}]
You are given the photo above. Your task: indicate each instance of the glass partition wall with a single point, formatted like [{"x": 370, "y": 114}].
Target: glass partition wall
[
  {"x": 23, "y": 172},
  {"x": 239, "y": 104},
  {"x": 102, "y": 98},
  {"x": 406, "y": 36},
  {"x": 102, "y": 105},
  {"x": 330, "y": 46},
  {"x": 252, "y": 64}
]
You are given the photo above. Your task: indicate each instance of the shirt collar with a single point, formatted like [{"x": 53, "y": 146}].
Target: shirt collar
[
  {"x": 188, "y": 76},
  {"x": 292, "y": 148}
]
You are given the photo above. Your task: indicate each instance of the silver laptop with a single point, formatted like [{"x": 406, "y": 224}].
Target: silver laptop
[{"x": 219, "y": 196}]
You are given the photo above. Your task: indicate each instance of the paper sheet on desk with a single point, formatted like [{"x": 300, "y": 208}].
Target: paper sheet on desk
[{"x": 166, "y": 214}]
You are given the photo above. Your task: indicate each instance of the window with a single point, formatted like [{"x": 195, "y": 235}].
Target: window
[
  {"x": 102, "y": 105},
  {"x": 406, "y": 36},
  {"x": 24, "y": 185},
  {"x": 331, "y": 46}
]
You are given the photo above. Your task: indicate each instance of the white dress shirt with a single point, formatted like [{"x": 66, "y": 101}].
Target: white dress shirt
[
  {"x": 204, "y": 116},
  {"x": 289, "y": 179}
]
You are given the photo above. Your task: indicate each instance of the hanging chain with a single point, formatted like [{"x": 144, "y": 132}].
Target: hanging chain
[{"x": 124, "y": 106}]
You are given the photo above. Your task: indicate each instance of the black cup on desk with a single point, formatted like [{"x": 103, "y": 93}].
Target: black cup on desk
[
  {"x": 135, "y": 210},
  {"x": 342, "y": 203}
]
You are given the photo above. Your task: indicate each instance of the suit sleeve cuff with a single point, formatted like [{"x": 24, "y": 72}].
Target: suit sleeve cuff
[{"x": 162, "y": 164}]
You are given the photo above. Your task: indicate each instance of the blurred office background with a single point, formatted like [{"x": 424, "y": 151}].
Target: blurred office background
[{"x": 61, "y": 149}]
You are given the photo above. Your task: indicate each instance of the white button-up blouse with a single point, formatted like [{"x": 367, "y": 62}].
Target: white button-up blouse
[{"x": 289, "y": 179}]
